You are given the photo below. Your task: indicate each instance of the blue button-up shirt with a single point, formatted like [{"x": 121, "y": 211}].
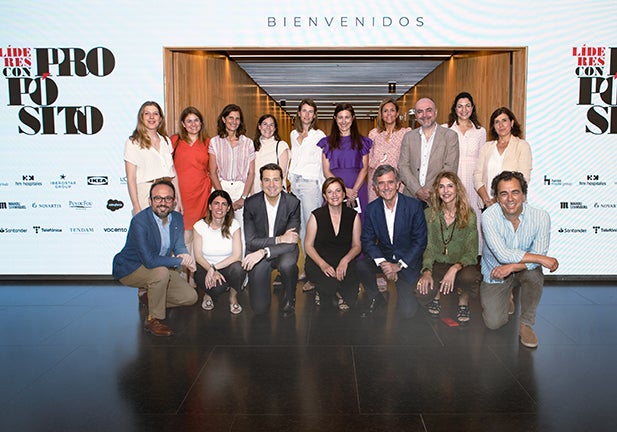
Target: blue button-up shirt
[{"x": 504, "y": 245}]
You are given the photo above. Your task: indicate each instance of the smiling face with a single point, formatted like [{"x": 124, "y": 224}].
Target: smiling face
[
  {"x": 426, "y": 112},
  {"x": 389, "y": 114},
  {"x": 151, "y": 117},
  {"x": 267, "y": 127},
  {"x": 192, "y": 124},
  {"x": 344, "y": 119},
  {"x": 447, "y": 191},
  {"x": 464, "y": 108},
  {"x": 232, "y": 122},
  {"x": 503, "y": 125},
  {"x": 335, "y": 194},
  {"x": 219, "y": 207},
  {"x": 307, "y": 115},
  {"x": 271, "y": 183},
  {"x": 387, "y": 187},
  {"x": 510, "y": 197},
  {"x": 162, "y": 200}
]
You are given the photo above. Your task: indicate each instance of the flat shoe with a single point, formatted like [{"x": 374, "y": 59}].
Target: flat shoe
[
  {"x": 235, "y": 308},
  {"x": 342, "y": 305},
  {"x": 433, "y": 307},
  {"x": 462, "y": 314},
  {"x": 207, "y": 304},
  {"x": 308, "y": 286}
]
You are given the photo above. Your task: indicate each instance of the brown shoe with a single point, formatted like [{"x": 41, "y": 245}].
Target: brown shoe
[
  {"x": 157, "y": 328},
  {"x": 528, "y": 337},
  {"x": 511, "y": 306}
]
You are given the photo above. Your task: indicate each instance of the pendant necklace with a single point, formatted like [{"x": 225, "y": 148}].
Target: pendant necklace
[{"x": 443, "y": 236}]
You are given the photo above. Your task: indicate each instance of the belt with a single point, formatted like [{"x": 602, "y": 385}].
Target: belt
[{"x": 160, "y": 179}]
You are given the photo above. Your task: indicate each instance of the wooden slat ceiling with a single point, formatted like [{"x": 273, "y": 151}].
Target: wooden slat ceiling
[{"x": 356, "y": 76}]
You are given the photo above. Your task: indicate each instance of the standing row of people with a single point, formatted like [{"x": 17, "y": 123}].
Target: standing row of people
[{"x": 345, "y": 160}]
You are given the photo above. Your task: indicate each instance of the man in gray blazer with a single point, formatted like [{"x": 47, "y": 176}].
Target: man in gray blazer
[
  {"x": 271, "y": 227},
  {"x": 426, "y": 151}
]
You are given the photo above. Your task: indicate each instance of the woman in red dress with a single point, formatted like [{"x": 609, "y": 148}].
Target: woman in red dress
[{"x": 191, "y": 163}]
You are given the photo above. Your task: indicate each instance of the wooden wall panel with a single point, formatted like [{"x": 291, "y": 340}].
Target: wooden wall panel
[
  {"x": 494, "y": 79},
  {"x": 210, "y": 81}
]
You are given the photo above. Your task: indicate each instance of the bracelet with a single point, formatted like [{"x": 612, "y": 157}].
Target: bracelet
[
  {"x": 243, "y": 197},
  {"x": 213, "y": 268}
]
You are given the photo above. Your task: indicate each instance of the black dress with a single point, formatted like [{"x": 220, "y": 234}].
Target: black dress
[{"x": 332, "y": 248}]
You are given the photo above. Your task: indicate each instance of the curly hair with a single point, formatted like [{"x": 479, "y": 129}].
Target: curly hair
[{"x": 461, "y": 204}]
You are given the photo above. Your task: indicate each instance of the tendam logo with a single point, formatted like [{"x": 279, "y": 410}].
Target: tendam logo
[
  {"x": 33, "y": 75},
  {"x": 596, "y": 69}
]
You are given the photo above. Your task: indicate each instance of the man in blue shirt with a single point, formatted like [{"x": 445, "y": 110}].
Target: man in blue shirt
[
  {"x": 516, "y": 241},
  {"x": 153, "y": 254}
]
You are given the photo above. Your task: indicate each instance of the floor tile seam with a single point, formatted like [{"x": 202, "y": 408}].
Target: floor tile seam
[
  {"x": 195, "y": 380},
  {"x": 557, "y": 327},
  {"x": 355, "y": 379},
  {"x": 514, "y": 377},
  {"x": 68, "y": 324},
  {"x": 576, "y": 290},
  {"x": 40, "y": 376}
]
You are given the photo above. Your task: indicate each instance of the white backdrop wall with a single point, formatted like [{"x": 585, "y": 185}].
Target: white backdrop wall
[{"x": 73, "y": 75}]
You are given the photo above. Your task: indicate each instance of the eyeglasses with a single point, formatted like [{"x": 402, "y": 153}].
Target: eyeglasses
[{"x": 158, "y": 199}]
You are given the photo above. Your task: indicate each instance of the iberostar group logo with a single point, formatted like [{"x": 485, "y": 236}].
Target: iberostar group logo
[
  {"x": 33, "y": 76},
  {"x": 596, "y": 69}
]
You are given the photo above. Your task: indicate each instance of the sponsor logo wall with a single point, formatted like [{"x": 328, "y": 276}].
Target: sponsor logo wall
[{"x": 69, "y": 96}]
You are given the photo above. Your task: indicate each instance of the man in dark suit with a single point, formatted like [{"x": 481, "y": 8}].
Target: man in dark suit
[
  {"x": 152, "y": 256},
  {"x": 426, "y": 151},
  {"x": 271, "y": 227},
  {"x": 393, "y": 241}
]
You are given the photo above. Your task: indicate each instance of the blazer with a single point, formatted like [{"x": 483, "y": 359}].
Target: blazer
[
  {"x": 516, "y": 157},
  {"x": 143, "y": 244},
  {"x": 256, "y": 223},
  {"x": 444, "y": 157},
  {"x": 409, "y": 234}
]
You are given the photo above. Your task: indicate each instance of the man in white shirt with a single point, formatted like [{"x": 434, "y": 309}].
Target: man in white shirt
[
  {"x": 393, "y": 240},
  {"x": 426, "y": 151}
]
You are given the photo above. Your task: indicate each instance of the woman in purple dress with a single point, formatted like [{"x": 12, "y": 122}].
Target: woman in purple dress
[{"x": 345, "y": 155}]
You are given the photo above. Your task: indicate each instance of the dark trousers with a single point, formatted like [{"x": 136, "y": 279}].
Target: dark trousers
[
  {"x": 407, "y": 304},
  {"x": 234, "y": 277},
  {"x": 327, "y": 287},
  {"x": 261, "y": 274}
]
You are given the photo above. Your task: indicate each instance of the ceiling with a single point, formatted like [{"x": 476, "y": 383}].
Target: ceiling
[{"x": 356, "y": 76}]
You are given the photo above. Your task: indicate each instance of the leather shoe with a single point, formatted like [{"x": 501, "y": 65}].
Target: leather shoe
[
  {"x": 289, "y": 307},
  {"x": 157, "y": 328},
  {"x": 375, "y": 304}
]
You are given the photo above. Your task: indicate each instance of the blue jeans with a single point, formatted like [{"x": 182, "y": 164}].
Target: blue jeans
[{"x": 309, "y": 194}]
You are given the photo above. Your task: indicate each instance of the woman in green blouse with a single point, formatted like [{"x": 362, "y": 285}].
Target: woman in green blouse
[{"x": 450, "y": 258}]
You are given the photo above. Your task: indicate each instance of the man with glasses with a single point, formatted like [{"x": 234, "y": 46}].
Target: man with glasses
[{"x": 153, "y": 255}]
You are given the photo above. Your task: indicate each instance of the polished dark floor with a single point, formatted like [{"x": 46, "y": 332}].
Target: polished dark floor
[{"x": 74, "y": 357}]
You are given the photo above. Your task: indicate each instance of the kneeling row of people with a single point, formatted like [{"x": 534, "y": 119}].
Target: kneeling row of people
[{"x": 423, "y": 263}]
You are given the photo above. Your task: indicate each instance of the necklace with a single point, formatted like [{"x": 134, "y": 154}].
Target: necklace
[{"x": 443, "y": 236}]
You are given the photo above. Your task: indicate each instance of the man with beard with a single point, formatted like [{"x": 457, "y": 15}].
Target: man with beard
[
  {"x": 153, "y": 255},
  {"x": 426, "y": 151}
]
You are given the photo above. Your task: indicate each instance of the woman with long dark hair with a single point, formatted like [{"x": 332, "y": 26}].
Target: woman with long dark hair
[
  {"x": 218, "y": 252},
  {"x": 269, "y": 147},
  {"x": 345, "y": 155}
]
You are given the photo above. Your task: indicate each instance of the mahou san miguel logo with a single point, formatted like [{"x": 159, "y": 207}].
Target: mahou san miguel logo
[
  {"x": 33, "y": 75},
  {"x": 596, "y": 68}
]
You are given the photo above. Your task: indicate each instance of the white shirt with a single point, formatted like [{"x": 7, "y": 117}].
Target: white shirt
[
  {"x": 151, "y": 163},
  {"x": 215, "y": 248},
  {"x": 427, "y": 145},
  {"x": 306, "y": 157}
]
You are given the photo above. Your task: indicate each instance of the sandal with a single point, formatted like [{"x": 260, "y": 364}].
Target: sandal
[
  {"x": 235, "y": 308},
  {"x": 308, "y": 286},
  {"x": 462, "y": 314},
  {"x": 433, "y": 307},
  {"x": 342, "y": 305},
  {"x": 207, "y": 304},
  {"x": 317, "y": 299}
]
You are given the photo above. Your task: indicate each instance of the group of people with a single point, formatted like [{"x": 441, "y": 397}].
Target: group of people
[{"x": 417, "y": 226}]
